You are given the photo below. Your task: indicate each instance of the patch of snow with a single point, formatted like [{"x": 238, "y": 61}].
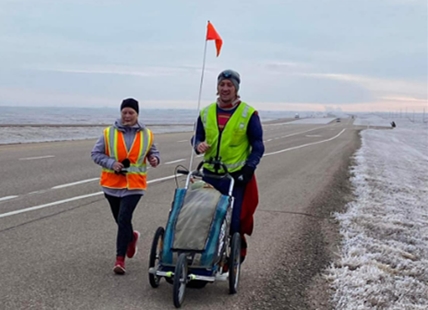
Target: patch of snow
[{"x": 383, "y": 261}]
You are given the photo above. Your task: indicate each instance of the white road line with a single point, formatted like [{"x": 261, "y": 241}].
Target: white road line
[
  {"x": 295, "y": 134},
  {"x": 174, "y": 161},
  {"x": 181, "y": 141},
  {"x": 38, "y": 192},
  {"x": 311, "y": 136},
  {"x": 38, "y": 157},
  {"x": 48, "y": 204},
  {"x": 75, "y": 183},
  {"x": 164, "y": 178},
  {"x": 298, "y": 133},
  {"x": 73, "y": 199},
  {"x": 278, "y": 124},
  {"x": 304, "y": 145},
  {"x": 7, "y": 198}
]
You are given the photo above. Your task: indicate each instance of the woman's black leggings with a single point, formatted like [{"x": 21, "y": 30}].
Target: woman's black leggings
[{"x": 122, "y": 209}]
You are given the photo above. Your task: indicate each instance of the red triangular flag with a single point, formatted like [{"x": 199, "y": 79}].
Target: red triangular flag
[{"x": 213, "y": 35}]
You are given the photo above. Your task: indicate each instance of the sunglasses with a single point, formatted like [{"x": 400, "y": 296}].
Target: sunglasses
[{"x": 227, "y": 74}]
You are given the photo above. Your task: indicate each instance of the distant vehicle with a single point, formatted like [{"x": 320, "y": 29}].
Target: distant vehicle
[
  {"x": 297, "y": 115},
  {"x": 338, "y": 120}
]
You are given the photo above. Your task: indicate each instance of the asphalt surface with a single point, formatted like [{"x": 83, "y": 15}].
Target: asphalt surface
[{"x": 57, "y": 235}]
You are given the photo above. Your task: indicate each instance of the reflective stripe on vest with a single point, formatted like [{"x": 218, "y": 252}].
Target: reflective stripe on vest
[
  {"x": 234, "y": 147},
  {"x": 115, "y": 146}
]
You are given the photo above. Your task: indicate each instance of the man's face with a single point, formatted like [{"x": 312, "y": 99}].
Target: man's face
[
  {"x": 226, "y": 91},
  {"x": 129, "y": 116}
]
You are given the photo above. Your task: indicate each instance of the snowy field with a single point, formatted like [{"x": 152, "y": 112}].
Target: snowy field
[
  {"x": 31, "y": 134},
  {"x": 372, "y": 120},
  {"x": 383, "y": 261}
]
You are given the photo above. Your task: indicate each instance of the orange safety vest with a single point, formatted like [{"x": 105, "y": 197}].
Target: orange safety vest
[{"x": 115, "y": 147}]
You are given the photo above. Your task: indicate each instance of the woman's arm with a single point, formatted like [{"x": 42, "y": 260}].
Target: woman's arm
[{"x": 99, "y": 156}]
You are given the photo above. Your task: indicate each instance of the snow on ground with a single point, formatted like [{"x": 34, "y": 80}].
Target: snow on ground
[
  {"x": 383, "y": 261},
  {"x": 30, "y": 134},
  {"x": 372, "y": 120}
]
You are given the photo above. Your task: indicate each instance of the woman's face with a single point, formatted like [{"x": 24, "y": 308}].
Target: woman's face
[{"x": 129, "y": 116}]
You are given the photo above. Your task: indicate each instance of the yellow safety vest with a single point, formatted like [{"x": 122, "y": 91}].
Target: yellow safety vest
[{"x": 231, "y": 145}]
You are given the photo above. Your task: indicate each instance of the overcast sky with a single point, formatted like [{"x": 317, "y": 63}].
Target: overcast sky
[{"x": 361, "y": 55}]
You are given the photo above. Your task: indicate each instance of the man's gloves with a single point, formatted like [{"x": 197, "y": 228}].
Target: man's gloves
[{"x": 244, "y": 175}]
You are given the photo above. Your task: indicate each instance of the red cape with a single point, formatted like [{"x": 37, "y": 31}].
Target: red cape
[{"x": 249, "y": 205}]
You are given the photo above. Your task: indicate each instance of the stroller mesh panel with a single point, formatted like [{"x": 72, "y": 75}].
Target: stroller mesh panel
[{"x": 195, "y": 219}]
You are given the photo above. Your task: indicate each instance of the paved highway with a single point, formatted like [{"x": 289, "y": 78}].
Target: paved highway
[{"x": 57, "y": 235}]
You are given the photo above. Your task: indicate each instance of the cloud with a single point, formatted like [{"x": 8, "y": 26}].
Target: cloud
[
  {"x": 378, "y": 86},
  {"x": 285, "y": 65},
  {"x": 405, "y": 99},
  {"x": 117, "y": 70},
  {"x": 16, "y": 96}
]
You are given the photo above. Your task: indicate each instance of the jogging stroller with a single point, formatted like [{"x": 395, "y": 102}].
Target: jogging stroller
[{"x": 195, "y": 247}]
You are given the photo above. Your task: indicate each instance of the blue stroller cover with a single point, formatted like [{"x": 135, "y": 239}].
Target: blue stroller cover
[{"x": 196, "y": 225}]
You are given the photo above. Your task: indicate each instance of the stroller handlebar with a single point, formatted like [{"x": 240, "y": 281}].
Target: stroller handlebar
[{"x": 217, "y": 163}]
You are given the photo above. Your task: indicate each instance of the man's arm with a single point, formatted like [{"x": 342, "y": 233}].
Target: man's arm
[
  {"x": 255, "y": 136},
  {"x": 200, "y": 135}
]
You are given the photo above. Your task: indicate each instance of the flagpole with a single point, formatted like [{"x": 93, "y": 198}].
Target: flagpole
[{"x": 199, "y": 104}]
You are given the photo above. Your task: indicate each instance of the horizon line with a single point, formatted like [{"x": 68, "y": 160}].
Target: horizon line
[{"x": 191, "y": 109}]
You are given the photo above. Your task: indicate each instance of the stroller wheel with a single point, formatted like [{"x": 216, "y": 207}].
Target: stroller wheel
[
  {"x": 155, "y": 255},
  {"x": 234, "y": 263},
  {"x": 180, "y": 280}
]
